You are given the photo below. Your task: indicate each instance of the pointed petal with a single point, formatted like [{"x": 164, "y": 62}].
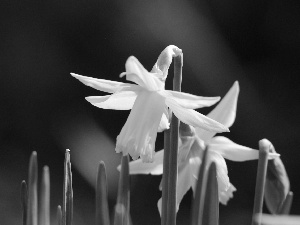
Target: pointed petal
[
  {"x": 193, "y": 118},
  {"x": 155, "y": 168},
  {"x": 165, "y": 59},
  {"x": 225, "y": 196},
  {"x": 101, "y": 84},
  {"x": 122, "y": 100},
  {"x": 190, "y": 101},
  {"x": 164, "y": 123},
  {"x": 224, "y": 112},
  {"x": 136, "y": 73},
  {"x": 222, "y": 172},
  {"x": 184, "y": 183},
  {"x": 232, "y": 151}
]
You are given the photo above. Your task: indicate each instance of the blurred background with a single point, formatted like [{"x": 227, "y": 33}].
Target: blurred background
[{"x": 43, "y": 108}]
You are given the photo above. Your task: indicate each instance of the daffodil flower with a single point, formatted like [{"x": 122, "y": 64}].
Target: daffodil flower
[
  {"x": 192, "y": 143},
  {"x": 148, "y": 101}
]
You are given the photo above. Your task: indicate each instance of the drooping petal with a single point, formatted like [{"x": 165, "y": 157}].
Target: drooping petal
[
  {"x": 164, "y": 123},
  {"x": 184, "y": 183},
  {"x": 224, "y": 112},
  {"x": 101, "y": 84},
  {"x": 136, "y": 73},
  {"x": 122, "y": 100},
  {"x": 155, "y": 168},
  {"x": 225, "y": 196},
  {"x": 138, "y": 135},
  {"x": 222, "y": 172},
  {"x": 190, "y": 101},
  {"x": 235, "y": 152},
  {"x": 193, "y": 118},
  {"x": 164, "y": 60}
]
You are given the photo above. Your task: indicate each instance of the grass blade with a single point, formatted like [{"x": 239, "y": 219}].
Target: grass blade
[
  {"x": 24, "y": 201},
  {"x": 67, "y": 211},
  {"x": 32, "y": 209},
  {"x": 123, "y": 199},
  {"x": 45, "y": 198},
  {"x": 59, "y": 215},
  {"x": 197, "y": 209},
  {"x": 102, "y": 211},
  {"x": 211, "y": 203}
]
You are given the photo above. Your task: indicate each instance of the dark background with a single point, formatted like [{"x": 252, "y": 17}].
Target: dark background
[{"x": 43, "y": 108}]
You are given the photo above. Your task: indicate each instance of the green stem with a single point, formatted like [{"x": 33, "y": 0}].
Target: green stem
[
  {"x": 197, "y": 209},
  {"x": 211, "y": 203},
  {"x": 123, "y": 200},
  {"x": 102, "y": 212},
  {"x": 45, "y": 197},
  {"x": 59, "y": 215},
  {"x": 165, "y": 184},
  {"x": 169, "y": 207},
  {"x": 67, "y": 210},
  {"x": 32, "y": 209},
  {"x": 260, "y": 181},
  {"x": 24, "y": 200}
]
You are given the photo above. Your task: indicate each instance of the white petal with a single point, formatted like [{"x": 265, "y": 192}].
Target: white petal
[
  {"x": 193, "y": 118},
  {"x": 225, "y": 196},
  {"x": 267, "y": 219},
  {"x": 122, "y": 100},
  {"x": 138, "y": 135},
  {"x": 232, "y": 151},
  {"x": 165, "y": 59},
  {"x": 184, "y": 183},
  {"x": 164, "y": 123},
  {"x": 224, "y": 112},
  {"x": 136, "y": 73},
  {"x": 190, "y": 101},
  {"x": 222, "y": 172},
  {"x": 101, "y": 84},
  {"x": 155, "y": 168}
]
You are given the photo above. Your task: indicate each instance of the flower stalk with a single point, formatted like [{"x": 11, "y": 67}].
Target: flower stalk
[
  {"x": 197, "y": 210},
  {"x": 171, "y": 153}
]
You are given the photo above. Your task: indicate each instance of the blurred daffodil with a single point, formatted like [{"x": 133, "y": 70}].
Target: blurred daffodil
[
  {"x": 149, "y": 100},
  {"x": 192, "y": 143}
]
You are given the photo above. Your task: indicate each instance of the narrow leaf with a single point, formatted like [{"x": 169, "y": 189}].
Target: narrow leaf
[
  {"x": 197, "y": 209},
  {"x": 32, "y": 209},
  {"x": 24, "y": 200},
  {"x": 211, "y": 203},
  {"x": 67, "y": 211},
  {"x": 264, "y": 147},
  {"x": 102, "y": 211},
  {"x": 123, "y": 199},
  {"x": 165, "y": 177},
  {"x": 59, "y": 216},
  {"x": 45, "y": 198}
]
